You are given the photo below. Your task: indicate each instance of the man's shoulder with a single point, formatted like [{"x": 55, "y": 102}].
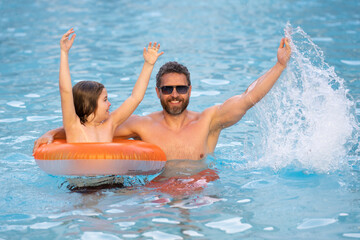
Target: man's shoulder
[
  {"x": 145, "y": 118},
  {"x": 206, "y": 114},
  {"x": 153, "y": 116},
  {"x": 209, "y": 112}
]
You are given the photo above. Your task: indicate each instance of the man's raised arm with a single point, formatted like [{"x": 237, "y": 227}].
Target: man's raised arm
[{"x": 233, "y": 109}]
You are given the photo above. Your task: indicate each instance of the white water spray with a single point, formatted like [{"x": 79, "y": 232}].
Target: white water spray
[{"x": 306, "y": 119}]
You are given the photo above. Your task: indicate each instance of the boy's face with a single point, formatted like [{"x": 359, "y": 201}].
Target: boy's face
[{"x": 103, "y": 106}]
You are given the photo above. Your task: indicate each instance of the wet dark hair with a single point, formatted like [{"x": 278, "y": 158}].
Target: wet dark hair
[
  {"x": 86, "y": 95},
  {"x": 172, "y": 67}
]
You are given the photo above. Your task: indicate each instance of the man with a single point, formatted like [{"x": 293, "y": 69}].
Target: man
[{"x": 184, "y": 134}]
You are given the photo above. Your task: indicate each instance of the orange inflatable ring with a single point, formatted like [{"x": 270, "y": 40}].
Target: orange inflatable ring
[{"x": 120, "y": 157}]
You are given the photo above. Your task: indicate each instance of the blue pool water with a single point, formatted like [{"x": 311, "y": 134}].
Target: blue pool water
[{"x": 288, "y": 170}]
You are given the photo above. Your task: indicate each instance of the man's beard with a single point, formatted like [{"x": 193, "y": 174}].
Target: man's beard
[{"x": 174, "y": 110}]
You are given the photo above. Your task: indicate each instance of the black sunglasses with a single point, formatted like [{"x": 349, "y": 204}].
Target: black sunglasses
[{"x": 181, "y": 89}]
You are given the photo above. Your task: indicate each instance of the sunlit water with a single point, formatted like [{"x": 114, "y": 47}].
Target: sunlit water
[{"x": 288, "y": 170}]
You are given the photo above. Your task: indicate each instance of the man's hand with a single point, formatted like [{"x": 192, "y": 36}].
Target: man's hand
[
  {"x": 284, "y": 52},
  {"x": 45, "y": 139},
  {"x": 65, "y": 42},
  {"x": 151, "y": 53}
]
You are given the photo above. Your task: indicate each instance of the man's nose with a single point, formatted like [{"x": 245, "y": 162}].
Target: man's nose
[{"x": 174, "y": 93}]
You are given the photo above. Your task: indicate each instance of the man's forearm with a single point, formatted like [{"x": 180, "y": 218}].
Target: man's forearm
[
  {"x": 57, "y": 133},
  {"x": 258, "y": 89}
]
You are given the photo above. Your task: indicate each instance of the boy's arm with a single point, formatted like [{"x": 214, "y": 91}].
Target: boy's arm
[
  {"x": 129, "y": 105},
  {"x": 233, "y": 109},
  {"x": 65, "y": 86}
]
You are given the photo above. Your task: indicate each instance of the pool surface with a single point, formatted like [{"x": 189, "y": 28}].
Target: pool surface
[{"x": 289, "y": 169}]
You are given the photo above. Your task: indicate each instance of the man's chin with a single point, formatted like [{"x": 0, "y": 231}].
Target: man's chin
[{"x": 174, "y": 111}]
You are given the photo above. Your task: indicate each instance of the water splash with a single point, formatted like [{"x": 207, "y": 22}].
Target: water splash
[{"x": 307, "y": 117}]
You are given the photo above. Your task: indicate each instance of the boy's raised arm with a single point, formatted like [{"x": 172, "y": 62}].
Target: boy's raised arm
[
  {"x": 128, "y": 107},
  {"x": 65, "y": 86}
]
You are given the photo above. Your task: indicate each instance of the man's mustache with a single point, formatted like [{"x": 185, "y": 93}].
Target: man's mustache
[{"x": 175, "y": 99}]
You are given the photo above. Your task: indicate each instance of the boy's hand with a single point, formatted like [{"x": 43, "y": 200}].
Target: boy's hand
[
  {"x": 151, "y": 53},
  {"x": 65, "y": 42}
]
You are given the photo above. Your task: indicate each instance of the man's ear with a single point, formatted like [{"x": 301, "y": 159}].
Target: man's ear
[
  {"x": 190, "y": 87},
  {"x": 157, "y": 92}
]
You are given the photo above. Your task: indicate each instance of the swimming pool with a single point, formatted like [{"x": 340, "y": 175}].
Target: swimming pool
[{"x": 288, "y": 170}]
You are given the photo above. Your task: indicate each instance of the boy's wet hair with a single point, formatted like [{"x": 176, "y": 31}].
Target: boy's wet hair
[
  {"x": 86, "y": 95},
  {"x": 172, "y": 67}
]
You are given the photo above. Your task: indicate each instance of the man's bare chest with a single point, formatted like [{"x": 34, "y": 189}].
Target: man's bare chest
[{"x": 186, "y": 143}]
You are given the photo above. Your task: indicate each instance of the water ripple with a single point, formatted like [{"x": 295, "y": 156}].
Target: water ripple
[
  {"x": 158, "y": 235},
  {"x": 316, "y": 222},
  {"x": 232, "y": 225}
]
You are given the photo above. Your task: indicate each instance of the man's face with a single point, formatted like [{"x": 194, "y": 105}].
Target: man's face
[{"x": 174, "y": 103}]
